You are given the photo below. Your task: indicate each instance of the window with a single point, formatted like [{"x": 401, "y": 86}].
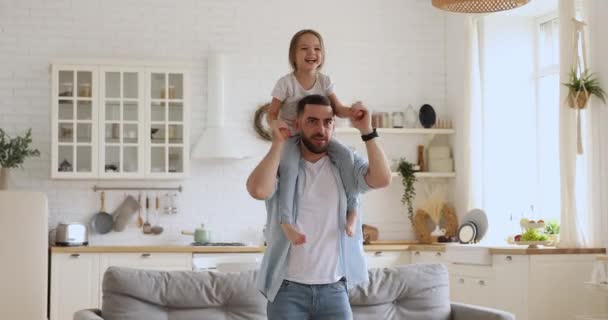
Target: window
[
  {"x": 520, "y": 118},
  {"x": 548, "y": 197}
]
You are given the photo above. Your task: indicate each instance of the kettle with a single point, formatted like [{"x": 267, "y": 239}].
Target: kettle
[{"x": 201, "y": 235}]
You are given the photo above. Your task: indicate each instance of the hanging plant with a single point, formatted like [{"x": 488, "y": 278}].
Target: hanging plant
[
  {"x": 408, "y": 179},
  {"x": 582, "y": 87}
]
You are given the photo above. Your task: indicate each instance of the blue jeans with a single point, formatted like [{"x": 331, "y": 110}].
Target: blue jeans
[{"x": 297, "y": 301}]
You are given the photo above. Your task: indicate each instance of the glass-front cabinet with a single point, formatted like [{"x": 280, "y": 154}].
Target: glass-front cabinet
[
  {"x": 74, "y": 129},
  {"x": 167, "y": 129},
  {"x": 119, "y": 122},
  {"x": 122, "y": 118}
]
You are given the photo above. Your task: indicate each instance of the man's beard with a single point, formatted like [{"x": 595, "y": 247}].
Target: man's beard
[{"x": 312, "y": 147}]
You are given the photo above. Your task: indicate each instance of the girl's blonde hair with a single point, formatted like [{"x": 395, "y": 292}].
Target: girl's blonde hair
[{"x": 294, "y": 43}]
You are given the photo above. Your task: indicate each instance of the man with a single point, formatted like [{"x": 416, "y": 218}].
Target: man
[{"x": 310, "y": 281}]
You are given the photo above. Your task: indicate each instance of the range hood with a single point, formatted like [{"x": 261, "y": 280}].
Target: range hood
[{"x": 218, "y": 141}]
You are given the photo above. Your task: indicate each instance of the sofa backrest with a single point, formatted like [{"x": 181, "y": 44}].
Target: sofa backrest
[
  {"x": 407, "y": 292},
  {"x": 412, "y": 292},
  {"x": 132, "y": 294}
]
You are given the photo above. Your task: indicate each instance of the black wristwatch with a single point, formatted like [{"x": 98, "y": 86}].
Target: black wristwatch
[{"x": 369, "y": 136}]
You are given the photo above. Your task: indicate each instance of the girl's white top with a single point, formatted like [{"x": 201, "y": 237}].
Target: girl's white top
[{"x": 290, "y": 91}]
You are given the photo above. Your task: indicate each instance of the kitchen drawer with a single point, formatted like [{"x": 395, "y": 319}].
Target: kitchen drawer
[
  {"x": 471, "y": 270},
  {"x": 148, "y": 260},
  {"x": 226, "y": 262},
  {"x": 383, "y": 259},
  {"x": 419, "y": 256}
]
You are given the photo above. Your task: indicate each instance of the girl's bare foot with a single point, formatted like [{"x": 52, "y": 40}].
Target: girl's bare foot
[
  {"x": 351, "y": 218},
  {"x": 292, "y": 234},
  {"x": 350, "y": 229}
]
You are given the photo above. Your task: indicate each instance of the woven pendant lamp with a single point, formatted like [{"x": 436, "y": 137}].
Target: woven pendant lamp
[{"x": 478, "y": 6}]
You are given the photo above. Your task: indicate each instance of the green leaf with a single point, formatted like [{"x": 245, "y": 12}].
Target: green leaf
[
  {"x": 14, "y": 151},
  {"x": 408, "y": 179}
]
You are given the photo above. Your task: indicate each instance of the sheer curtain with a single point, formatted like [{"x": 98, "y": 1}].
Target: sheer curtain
[
  {"x": 473, "y": 119},
  {"x": 571, "y": 232},
  {"x": 596, "y": 146}
]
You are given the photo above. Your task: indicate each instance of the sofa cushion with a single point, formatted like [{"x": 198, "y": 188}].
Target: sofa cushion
[
  {"x": 412, "y": 292},
  {"x": 132, "y": 294}
]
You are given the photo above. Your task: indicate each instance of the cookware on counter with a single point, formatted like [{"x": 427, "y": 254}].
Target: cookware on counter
[{"x": 201, "y": 235}]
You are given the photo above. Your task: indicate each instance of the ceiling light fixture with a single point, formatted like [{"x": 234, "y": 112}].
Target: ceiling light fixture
[{"x": 478, "y": 6}]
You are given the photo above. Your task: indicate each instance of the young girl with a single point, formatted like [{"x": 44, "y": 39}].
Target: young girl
[{"x": 306, "y": 56}]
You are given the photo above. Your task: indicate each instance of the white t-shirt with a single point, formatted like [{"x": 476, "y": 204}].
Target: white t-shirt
[
  {"x": 316, "y": 261},
  {"x": 290, "y": 91}
]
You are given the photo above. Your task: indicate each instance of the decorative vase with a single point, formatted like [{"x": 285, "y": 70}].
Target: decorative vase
[{"x": 4, "y": 178}]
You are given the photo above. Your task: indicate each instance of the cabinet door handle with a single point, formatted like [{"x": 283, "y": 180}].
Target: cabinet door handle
[
  {"x": 417, "y": 253},
  {"x": 146, "y": 255},
  {"x": 378, "y": 254},
  {"x": 438, "y": 254},
  {"x": 509, "y": 258},
  {"x": 481, "y": 282},
  {"x": 75, "y": 255}
]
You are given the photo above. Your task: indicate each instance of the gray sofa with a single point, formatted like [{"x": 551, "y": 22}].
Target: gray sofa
[{"x": 411, "y": 292}]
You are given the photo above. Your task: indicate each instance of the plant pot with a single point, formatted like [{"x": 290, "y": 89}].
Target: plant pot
[
  {"x": 4, "y": 178},
  {"x": 578, "y": 100},
  {"x": 554, "y": 239}
]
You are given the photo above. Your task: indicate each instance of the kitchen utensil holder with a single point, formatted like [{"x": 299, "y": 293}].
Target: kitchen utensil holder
[{"x": 178, "y": 188}]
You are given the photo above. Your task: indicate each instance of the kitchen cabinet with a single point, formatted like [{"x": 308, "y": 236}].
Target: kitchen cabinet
[
  {"x": 472, "y": 284},
  {"x": 74, "y": 121},
  {"x": 77, "y": 278},
  {"x": 74, "y": 284},
  {"x": 119, "y": 121},
  {"x": 545, "y": 286},
  {"x": 383, "y": 259},
  {"x": 557, "y": 283}
]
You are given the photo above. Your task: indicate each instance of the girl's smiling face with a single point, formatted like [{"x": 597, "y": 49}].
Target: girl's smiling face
[{"x": 309, "y": 53}]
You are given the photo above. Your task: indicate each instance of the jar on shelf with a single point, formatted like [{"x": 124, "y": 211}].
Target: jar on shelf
[
  {"x": 386, "y": 120},
  {"x": 411, "y": 117},
  {"x": 376, "y": 120},
  {"x": 85, "y": 90},
  {"x": 398, "y": 118},
  {"x": 65, "y": 89}
]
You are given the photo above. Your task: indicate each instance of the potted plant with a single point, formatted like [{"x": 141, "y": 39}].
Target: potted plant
[
  {"x": 406, "y": 171},
  {"x": 581, "y": 87},
  {"x": 13, "y": 152},
  {"x": 552, "y": 231}
]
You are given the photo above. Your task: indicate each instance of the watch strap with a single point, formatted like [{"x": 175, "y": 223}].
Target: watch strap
[{"x": 369, "y": 136}]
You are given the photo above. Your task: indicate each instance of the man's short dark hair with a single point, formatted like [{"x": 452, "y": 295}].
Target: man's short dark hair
[{"x": 314, "y": 99}]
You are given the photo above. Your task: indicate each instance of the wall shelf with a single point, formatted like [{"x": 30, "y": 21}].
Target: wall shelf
[
  {"x": 429, "y": 175},
  {"x": 349, "y": 130}
]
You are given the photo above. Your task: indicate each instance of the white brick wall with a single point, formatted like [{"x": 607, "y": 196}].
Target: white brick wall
[{"x": 387, "y": 53}]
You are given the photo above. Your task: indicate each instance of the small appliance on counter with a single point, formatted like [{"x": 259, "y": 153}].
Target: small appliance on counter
[{"x": 71, "y": 234}]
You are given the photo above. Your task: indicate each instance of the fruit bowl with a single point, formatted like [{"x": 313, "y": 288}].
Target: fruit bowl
[{"x": 533, "y": 244}]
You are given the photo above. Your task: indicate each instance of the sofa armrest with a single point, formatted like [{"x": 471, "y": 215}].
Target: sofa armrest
[
  {"x": 462, "y": 311},
  {"x": 88, "y": 314}
]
